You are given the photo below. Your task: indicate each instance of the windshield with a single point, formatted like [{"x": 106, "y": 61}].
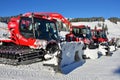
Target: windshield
[
  {"x": 62, "y": 26},
  {"x": 42, "y": 28},
  {"x": 79, "y": 32},
  {"x": 101, "y": 34}
]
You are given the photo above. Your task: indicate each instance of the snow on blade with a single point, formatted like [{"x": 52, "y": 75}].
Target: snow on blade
[
  {"x": 91, "y": 53},
  {"x": 70, "y": 52}
]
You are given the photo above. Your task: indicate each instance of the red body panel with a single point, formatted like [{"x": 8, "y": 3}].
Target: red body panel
[
  {"x": 51, "y": 15},
  {"x": 70, "y": 37},
  {"x": 16, "y": 37}
]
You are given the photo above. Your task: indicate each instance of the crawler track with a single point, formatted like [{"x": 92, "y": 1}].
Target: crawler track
[{"x": 16, "y": 55}]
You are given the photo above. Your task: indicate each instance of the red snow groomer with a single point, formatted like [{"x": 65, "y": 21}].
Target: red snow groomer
[
  {"x": 99, "y": 36},
  {"x": 81, "y": 33},
  {"x": 28, "y": 39}
]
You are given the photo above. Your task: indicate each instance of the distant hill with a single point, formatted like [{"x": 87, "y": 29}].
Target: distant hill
[{"x": 92, "y": 19}]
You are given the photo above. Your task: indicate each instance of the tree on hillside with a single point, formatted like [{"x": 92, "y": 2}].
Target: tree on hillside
[
  {"x": 87, "y": 19},
  {"x": 106, "y": 28},
  {"x": 114, "y": 19}
]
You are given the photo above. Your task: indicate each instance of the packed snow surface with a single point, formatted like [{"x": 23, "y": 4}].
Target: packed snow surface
[{"x": 103, "y": 68}]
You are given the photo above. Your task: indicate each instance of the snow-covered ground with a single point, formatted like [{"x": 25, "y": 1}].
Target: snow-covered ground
[{"x": 103, "y": 68}]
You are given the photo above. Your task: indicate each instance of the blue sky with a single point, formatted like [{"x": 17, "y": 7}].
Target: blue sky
[{"x": 68, "y": 8}]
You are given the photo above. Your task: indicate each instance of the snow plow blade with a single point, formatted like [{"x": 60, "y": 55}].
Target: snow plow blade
[{"x": 71, "y": 52}]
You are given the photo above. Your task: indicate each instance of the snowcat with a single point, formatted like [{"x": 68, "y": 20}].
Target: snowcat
[
  {"x": 29, "y": 37},
  {"x": 99, "y": 36},
  {"x": 33, "y": 37},
  {"x": 105, "y": 46},
  {"x": 82, "y": 33}
]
